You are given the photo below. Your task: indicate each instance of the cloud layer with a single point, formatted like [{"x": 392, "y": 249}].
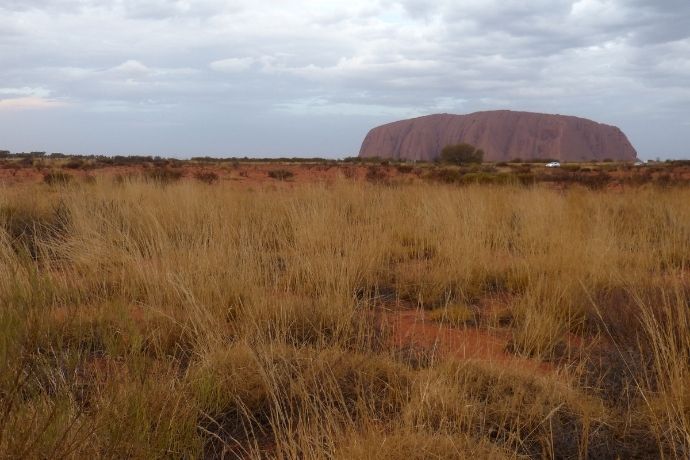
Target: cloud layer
[{"x": 309, "y": 77}]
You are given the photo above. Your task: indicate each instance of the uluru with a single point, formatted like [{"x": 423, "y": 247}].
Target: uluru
[{"x": 504, "y": 135}]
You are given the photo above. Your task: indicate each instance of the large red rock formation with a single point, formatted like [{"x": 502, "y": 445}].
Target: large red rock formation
[{"x": 502, "y": 134}]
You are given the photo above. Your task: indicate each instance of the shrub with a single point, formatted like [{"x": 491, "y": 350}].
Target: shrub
[
  {"x": 12, "y": 166},
  {"x": 663, "y": 179},
  {"x": 461, "y": 153},
  {"x": 349, "y": 173},
  {"x": 207, "y": 177},
  {"x": 526, "y": 178},
  {"x": 543, "y": 160},
  {"x": 480, "y": 178},
  {"x": 74, "y": 164},
  {"x": 163, "y": 175},
  {"x": 445, "y": 175},
  {"x": 376, "y": 174},
  {"x": 597, "y": 181},
  {"x": 205, "y": 159},
  {"x": 280, "y": 174},
  {"x": 522, "y": 168},
  {"x": 26, "y": 162},
  {"x": 404, "y": 169}
]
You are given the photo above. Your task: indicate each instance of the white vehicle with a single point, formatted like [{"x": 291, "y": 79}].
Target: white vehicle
[
  {"x": 553, "y": 164},
  {"x": 639, "y": 163}
]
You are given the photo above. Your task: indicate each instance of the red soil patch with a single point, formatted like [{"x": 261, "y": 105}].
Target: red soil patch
[{"x": 413, "y": 328}]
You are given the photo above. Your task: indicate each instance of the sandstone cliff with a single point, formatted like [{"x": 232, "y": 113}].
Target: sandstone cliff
[{"x": 503, "y": 135}]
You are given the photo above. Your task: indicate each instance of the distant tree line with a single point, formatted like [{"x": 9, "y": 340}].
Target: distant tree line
[
  {"x": 451, "y": 154},
  {"x": 153, "y": 159},
  {"x": 265, "y": 160}
]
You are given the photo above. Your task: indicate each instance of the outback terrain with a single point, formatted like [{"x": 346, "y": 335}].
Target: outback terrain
[{"x": 356, "y": 309}]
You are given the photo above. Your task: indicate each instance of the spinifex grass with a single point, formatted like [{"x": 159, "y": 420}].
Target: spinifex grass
[{"x": 178, "y": 319}]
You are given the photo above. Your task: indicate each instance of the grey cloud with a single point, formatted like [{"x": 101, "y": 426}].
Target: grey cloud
[
  {"x": 53, "y": 5},
  {"x": 212, "y": 74}
]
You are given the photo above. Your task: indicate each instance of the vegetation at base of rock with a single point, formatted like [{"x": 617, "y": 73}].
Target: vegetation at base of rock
[{"x": 460, "y": 154}]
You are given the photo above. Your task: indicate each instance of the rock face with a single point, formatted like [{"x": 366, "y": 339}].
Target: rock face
[{"x": 503, "y": 135}]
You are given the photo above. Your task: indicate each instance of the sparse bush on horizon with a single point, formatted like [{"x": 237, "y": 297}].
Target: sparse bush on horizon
[{"x": 280, "y": 174}]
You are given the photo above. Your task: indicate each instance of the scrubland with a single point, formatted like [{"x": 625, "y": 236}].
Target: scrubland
[{"x": 186, "y": 320}]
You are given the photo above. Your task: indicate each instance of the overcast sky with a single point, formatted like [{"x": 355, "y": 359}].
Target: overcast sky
[{"x": 311, "y": 77}]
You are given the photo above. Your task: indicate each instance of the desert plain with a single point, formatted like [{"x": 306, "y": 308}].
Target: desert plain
[{"x": 343, "y": 309}]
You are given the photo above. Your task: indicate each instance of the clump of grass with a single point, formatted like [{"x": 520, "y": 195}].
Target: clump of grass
[
  {"x": 245, "y": 393},
  {"x": 543, "y": 317},
  {"x": 515, "y": 409},
  {"x": 153, "y": 415},
  {"x": 429, "y": 289},
  {"x": 57, "y": 178},
  {"x": 445, "y": 175},
  {"x": 573, "y": 167},
  {"x": 89, "y": 179},
  {"x": 33, "y": 227}
]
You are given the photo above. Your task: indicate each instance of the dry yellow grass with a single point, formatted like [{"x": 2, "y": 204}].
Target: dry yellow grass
[{"x": 187, "y": 320}]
